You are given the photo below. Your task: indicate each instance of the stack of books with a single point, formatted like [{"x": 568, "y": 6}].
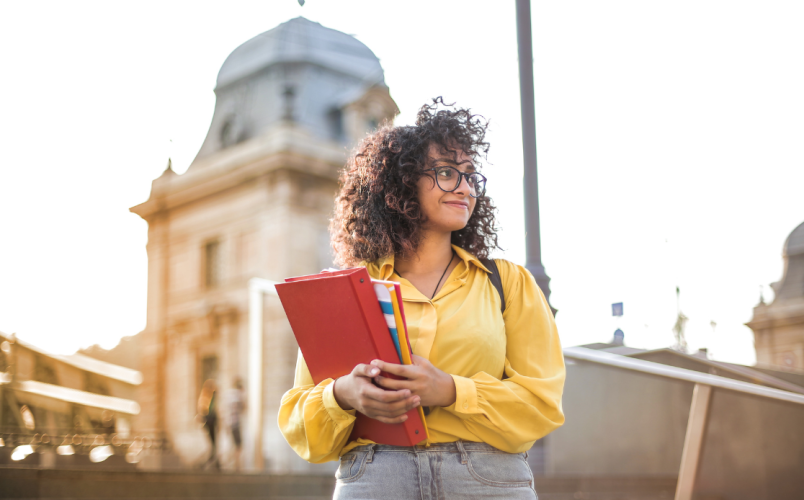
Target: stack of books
[{"x": 345, "y": 318}]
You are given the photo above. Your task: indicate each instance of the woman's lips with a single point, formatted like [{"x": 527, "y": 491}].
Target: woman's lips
[{"x": 458, "y": 204}]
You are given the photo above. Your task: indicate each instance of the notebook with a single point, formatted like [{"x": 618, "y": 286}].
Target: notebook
[
  {"x": 402, "y": 329},
  {"x": 384, "y": 291}
]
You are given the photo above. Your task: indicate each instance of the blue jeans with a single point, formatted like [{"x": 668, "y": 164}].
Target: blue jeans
[{"x": 460, "y": 470}]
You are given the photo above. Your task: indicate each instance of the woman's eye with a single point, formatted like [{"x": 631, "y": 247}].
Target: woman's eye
[{"x": 446, "y": 173}]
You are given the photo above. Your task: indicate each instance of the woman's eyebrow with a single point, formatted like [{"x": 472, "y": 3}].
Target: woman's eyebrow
[
  {"x": 445, "y": 160},
  {"x": 470, "y": 165}
]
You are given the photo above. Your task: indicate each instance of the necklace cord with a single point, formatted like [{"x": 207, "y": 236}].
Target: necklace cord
[
  {"x": 452, "y": 257},
  {"x": 442, "y": 274}
]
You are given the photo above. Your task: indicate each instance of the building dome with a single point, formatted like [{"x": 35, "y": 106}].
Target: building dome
[
  {"x": 795, "y": 242},
  {"x": 302, "y": 40},
  {"x": 791, "y": 286},
  {"x": 298, "y": 73}
]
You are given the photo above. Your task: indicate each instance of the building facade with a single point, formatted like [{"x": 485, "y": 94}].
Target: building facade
[
  {"x": 56, "y": 410},
  {"x": 779, "y": 326},
  {"x": 255, "y": 202}
]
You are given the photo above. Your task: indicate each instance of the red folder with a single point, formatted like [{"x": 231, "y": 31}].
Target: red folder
[{"x": 338, "y": 323}]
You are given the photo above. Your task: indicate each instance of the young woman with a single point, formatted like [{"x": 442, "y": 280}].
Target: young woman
[{"x": 412, "y": 208}]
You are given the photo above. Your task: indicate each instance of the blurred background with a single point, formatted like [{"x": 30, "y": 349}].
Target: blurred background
[{"x": 157, "y": 156}]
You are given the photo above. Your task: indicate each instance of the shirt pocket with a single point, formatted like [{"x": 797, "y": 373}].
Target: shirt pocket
[{"x": 505, "y": 470}]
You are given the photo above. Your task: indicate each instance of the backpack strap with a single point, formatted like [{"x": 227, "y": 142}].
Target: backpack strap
[{"x": 496, "y": 280}]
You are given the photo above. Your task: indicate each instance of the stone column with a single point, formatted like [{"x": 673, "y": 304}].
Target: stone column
[{"x": 151, "y": 391}]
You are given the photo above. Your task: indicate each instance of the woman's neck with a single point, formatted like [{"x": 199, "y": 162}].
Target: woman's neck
[{"x": 434, "y": 252}]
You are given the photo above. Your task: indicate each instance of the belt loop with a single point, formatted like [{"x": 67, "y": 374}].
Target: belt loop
[
  {"x": 462, "y": 450},
  {"x": 526, "y": 455},
  {"x": 370, "y": 453}
]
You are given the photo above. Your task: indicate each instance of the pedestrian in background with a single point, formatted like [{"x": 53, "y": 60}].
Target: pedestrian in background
[
  {"x": 208, "y": 414},
  {"x": 236, "y": 405}
]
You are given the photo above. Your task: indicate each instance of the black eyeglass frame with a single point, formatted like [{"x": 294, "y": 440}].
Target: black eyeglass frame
[{"x": 461, "y": 175}]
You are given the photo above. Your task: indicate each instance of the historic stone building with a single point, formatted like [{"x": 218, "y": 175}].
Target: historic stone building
[
  {"x": 255, "y": 202},
  {"x": 779, "y": 326}
]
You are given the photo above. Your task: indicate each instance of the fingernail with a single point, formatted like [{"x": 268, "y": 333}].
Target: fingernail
[
  {"x": 404, "y": 417},
  {"x": 375, "y": 371}
]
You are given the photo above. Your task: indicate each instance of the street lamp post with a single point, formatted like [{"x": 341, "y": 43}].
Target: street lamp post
[{"x": 533, "y": 248}]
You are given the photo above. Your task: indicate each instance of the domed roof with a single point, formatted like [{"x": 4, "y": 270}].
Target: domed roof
[
  {"x": 302, "y": 40},
  {"x": 795, "y": 242}
]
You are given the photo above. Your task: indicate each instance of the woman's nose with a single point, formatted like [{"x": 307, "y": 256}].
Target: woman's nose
[{"x": 464, "y": 187}]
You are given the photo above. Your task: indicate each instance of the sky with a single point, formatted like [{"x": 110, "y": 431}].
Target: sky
[{"x": 668, "y": 136}]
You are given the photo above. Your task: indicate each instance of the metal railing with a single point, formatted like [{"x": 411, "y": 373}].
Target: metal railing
[
  {"x": 639, "y": 365},
  {"x": 699, "y": 408}
]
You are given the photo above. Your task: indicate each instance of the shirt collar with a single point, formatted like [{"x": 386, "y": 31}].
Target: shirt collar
[
  {"x": 467, "y": 258},
  {"x": 383, "y": 268}
]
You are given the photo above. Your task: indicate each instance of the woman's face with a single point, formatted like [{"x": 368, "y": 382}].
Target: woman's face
[{"x": 446, "y": 212}]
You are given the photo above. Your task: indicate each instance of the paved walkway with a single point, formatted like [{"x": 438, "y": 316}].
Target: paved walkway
[{"x": 34, "y": 483}]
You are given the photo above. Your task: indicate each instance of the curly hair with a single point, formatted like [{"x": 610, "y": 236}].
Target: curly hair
[{"x": 377, "y": 211}]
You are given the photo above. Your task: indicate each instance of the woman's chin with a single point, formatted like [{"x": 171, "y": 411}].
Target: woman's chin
[
  {"x": 446, "y": 225},
  {"x": 455, "y": 227}
]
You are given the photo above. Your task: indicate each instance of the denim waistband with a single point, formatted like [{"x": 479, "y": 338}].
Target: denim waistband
[{"x": 455, "y": 447}]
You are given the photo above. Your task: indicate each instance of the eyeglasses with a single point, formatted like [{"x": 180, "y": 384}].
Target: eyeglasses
[{"x": 449, "y": 178}]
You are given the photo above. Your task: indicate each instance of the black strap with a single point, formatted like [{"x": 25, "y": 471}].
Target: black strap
[{"x": 495, "y": 280}]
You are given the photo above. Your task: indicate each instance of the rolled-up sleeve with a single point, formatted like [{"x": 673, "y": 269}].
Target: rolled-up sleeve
[
  {"x": 512, "y": 413},
  {"x": 311, "y": 420}
]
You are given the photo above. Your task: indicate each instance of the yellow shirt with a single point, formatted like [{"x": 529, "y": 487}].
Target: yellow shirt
[{"x": 508, "y": 369}]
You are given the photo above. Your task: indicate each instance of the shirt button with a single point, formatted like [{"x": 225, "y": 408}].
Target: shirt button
[{"x": 465, "y": 405}]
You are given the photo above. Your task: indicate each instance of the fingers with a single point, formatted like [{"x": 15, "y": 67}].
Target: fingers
[
  {"x": 393, "y": 384},
  {"x": 387, "y": 420},
  {"x": 406, "y": 371},
  {"x": 362, "y": 370},
  {"x": 375, "y": 409},
  {"x": 396, "y": 407},
  {"x": 374, "y": 401},
  {"x": 370, "y": 391},
  {"x": 386, "y": 404}
]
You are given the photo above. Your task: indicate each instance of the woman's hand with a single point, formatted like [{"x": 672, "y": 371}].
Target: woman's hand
[
  {"x": 356, "y": 391},
  {"x": 434, "y": 387}
]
